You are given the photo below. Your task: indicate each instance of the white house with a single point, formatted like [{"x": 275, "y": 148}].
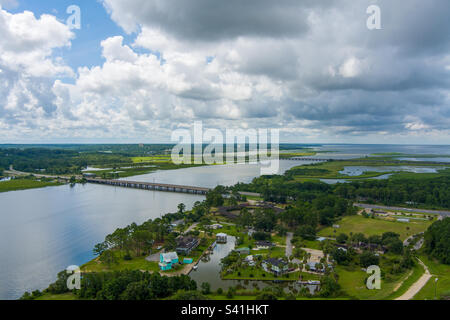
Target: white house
[{"x": 221, "y": 238}]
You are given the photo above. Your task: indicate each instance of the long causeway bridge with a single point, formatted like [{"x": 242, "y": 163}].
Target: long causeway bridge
[
  {"x": 151, "y": 186},
  {"x": 306, "y": 159}
]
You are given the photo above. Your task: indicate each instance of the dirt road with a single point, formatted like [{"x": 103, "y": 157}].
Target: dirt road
[{"x": 418, "y": 285}]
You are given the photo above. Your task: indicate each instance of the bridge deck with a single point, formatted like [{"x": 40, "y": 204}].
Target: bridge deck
[{"x": 151, "y": 186}]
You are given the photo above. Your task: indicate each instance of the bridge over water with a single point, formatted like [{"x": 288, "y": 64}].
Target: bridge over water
[
  {"x": 306, "y": 159},
  {"x": 151, "y": 186}
]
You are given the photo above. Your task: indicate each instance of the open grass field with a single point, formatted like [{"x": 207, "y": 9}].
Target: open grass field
[
  {"x": 138, "y": 263},
  {"x": 151, "y": 159},
  {"x": 369, "y": 227},
  {"x": 255, "y": 273},
  {"x": 411, "y": 278},
  {"x": 330, "y": 170},
  {"x": 442, "y": 272},
  {"x": 23, "y": 184},
  {"x": 297, "y": 154},
  {"x": 353, "y": 283},
  {"x": 58, "y": 297}
]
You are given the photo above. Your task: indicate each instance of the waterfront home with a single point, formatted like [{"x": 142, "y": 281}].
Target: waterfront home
[
  {"x": 250, "y": 261},
  {"x": 313, "y": 266},
  {"x": 276, "y": 266},
  {"x": 177, "y": 223},
  {"x": 244, "y": 250},
  {"x": 167, "y": 260},
  {"x": 214, "y": 226},
  {"x": 264, "y": 244},
  {"x": 185, "y": 244},
  {"x": 221, "y": 238}
]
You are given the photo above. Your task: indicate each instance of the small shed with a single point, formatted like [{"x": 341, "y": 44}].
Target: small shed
[{"x": 244, "y": 250}]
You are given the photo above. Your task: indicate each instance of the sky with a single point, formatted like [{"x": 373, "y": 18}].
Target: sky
[{"x": 137, "y": 70}]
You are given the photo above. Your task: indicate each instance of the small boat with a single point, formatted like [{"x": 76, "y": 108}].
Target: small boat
[{"x": 195, "y": 268}]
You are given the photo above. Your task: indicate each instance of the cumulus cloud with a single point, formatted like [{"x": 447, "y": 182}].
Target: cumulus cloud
[
  {"x": 28, "y": 69},
  {"x": 311, "y": 68}
]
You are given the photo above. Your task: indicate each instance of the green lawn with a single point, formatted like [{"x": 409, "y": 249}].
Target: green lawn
[
  {"x": 370, "y": 227},
  {"x": 417, "y": 272},
  {"x": 442, "y": 272},
  {"x": 259, "y": 274},
  {"x": 311, "y": 244},
  {"x": 353, "y": 283},
  {"x": 23, "y": 184},
  {"x": 331, "y": 169},
  {"x": 138, "y": 263},
  {"x": 60, "y": 297}
]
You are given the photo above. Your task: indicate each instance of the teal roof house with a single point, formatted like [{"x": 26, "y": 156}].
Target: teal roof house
[{"x": 167, "y": 260}]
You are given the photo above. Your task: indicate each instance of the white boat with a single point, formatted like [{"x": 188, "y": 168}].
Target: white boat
[{"x": 195, "y": 268}]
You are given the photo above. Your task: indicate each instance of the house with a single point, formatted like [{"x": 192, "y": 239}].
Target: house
[
  {"x": 215, "y": 226},
  {"x": 276, "y": 266},
  {"x": 177, "y": 223},
  {"x": 313, "y": 267},
  {"x": 250, "y": 261},
  {"x": 185, "y": 244},
  {"x": 264, "y": 244},
  {"x": 221, "y": 238},
  {"x": 321, "y": 239},
  {"x": 403, "y": 220},
  {"x": 89, "y": 175},
  {"x": 167, "y": 260},
  {"x": 244, "y": 250}
]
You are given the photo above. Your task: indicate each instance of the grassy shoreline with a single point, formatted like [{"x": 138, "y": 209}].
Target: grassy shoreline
[{"x": 25, "y": 184}]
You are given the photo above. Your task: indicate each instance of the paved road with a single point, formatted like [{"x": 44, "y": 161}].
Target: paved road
[
  {"x": 289, "y": 236},
  {"x": 372, "y": 206}
]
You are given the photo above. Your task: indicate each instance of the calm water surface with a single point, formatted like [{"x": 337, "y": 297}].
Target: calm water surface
[{"x": 43, "y": 231}]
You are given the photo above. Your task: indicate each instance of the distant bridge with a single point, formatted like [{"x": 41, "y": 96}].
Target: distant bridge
[
  {"x": 151, "y": 186},
  {"x": 305, "y": 159}
]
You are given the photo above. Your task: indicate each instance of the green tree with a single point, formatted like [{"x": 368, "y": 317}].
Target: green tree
[{"x": 206, "y": 288}]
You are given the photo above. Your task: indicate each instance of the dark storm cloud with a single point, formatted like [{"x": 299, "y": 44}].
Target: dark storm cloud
[{"x": 208, "y": 20}]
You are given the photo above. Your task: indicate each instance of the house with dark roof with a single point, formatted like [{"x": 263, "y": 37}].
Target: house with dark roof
[
  {"x": 264, "y": 244},
  {"x": 276, "y": 266},
  {"x": 185, "y": 244}
]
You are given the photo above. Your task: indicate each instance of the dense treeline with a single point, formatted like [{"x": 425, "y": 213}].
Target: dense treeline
[
  {"x": 427, "y": 191},
  {"x": 430, "y": 192},
  {"x": 121, "y": 285},
  {"x": 56, "y": 161},
  {"x": 437, "y": 240}
]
